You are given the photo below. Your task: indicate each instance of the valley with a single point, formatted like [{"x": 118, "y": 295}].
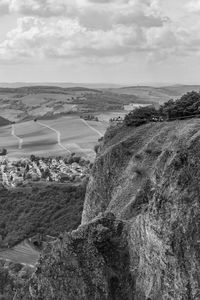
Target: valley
[
  {"x": 50, "y": 156},
  {"x": 57, "y": 109}
]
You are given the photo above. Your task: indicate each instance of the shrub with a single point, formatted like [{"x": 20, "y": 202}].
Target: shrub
[
  {"x": 153, "y": 151},
  {"x": 140, "y": 171},
  {"x": 111, "y": 132},
  {"x": 148, "y": 151},
  {"x": 77, "y": 159},
  {"x": 187, "y": 105},
  {"x": 141, "y": 115},
  {"x": 96, "y": 148},
  {"x": 138, "y": 156}
]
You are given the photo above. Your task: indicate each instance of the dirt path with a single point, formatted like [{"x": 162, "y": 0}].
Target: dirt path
[
  {"x": 58, "y": 135},
  {"x": 20, "y": 140},
  {"x": 92, "y": 128}
]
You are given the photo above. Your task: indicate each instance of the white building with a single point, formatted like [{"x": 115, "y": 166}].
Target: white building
[{"x": 132, "y": 106}]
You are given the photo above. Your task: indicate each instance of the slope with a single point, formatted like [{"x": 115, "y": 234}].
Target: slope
[
  {"x": 156, "y": 94},
  {"x": 139, "y": 237}
]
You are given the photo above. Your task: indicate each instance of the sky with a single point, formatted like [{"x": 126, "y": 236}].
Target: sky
[{"x": 107, "y": 41}]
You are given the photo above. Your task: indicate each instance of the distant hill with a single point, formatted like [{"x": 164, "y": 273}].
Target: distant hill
[
  {"x": 156, "y": 94},
  {"x": 4, "y": 122},
  {"x": 46, "y": 101},
  {"x": 38, "y": 89},
  {"x": 25, "y": 103},
  {"x": 60, "y": 84}
]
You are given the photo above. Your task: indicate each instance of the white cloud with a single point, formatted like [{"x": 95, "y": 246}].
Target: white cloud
[
  {"x": 68, "y": 39},
  {"x": 85, "y": 28},
  {"x": 42, "y": 8},
  {"x": 193, "y": 6},
  {"x": 94, "y": 30},
  {"x": 4, "y": 7}
]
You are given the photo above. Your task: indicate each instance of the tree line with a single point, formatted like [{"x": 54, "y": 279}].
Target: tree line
[{"x": 186, "y": 106}]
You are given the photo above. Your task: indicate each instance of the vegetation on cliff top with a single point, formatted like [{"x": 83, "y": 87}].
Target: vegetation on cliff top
[{"x": 187, "y": 106}]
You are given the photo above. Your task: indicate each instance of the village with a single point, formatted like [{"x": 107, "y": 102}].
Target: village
[{"x": 23, "y": 171}]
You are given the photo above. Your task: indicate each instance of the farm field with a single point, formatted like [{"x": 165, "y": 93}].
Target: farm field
[
  {"x": 20, "y": 104},
  {"x": 35, "y": 139},
  {"x": 42, "y": 137},
  {"x": 22, "y": 253},
  {"x": 76, "y": 135}
]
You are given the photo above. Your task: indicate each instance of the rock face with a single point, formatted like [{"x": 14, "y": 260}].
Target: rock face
[
  {"x": 140, "y": 232},
  {"x": 89, "y": 263}
]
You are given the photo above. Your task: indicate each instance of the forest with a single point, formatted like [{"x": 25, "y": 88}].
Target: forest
[{"x": 48, "y": 209}]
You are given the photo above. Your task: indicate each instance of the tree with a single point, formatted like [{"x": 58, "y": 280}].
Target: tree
[
  {"x": 188, "y": 105},
  {"x": 140, "y": 116},
  {"x": 96, "y": 148},
  {"x": 3, "y": 152}
]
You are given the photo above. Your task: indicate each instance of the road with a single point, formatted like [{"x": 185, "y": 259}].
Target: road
[
  {"x": 58, "y": 135},
  {"x": 92, "y": 128},
  {"x": 20, "y": 140}
]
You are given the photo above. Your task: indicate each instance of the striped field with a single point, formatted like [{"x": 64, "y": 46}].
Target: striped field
[{"x": 52, "y": 137}]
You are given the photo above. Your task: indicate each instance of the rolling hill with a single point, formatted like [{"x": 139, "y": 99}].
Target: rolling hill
[
  {"x": 61, "y": 84},
  {"x": 28, "y": 102},
  {"x": 46, "y": 101},
  {"x": 156, "y": 94}
]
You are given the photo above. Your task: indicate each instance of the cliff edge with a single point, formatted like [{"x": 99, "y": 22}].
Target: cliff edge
[{"x": 140, "y": 232}]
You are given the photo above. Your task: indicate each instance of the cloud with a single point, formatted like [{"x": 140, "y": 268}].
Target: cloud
[
  {"x": 4, "y": 7},
  {"x": 41, "y": 8},
  {"x": 96, "y": 10},
  {"x": 103, "y": 15},
  {"x": 67, "y": 39},
  {"x": 94, "y": 31},
  {"x": 193, "y": 6}
]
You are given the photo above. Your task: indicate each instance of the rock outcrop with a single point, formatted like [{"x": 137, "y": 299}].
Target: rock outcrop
[
  {"x": 140, "y": 232},
  {"x": 89, "y": 263}
]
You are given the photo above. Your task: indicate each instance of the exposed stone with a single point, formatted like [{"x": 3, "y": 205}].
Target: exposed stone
[{"x": 151, "y": 249}]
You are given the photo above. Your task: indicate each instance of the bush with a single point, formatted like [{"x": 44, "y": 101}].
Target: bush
[
  {"x": 96, "y": 148},
  {"x": 140, "y": 171},
  {"x": 186, "y": 106},
  {"x": 77, "y": 159},
  {"x": 3, "y": 152},
  {"x": 138, "y": 156},
  {"x": 140, "y": 116},
  {"x": 155, "y": 151}
]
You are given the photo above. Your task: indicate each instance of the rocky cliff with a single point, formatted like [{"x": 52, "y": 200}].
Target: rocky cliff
[{"x": 140, "y": 232}]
